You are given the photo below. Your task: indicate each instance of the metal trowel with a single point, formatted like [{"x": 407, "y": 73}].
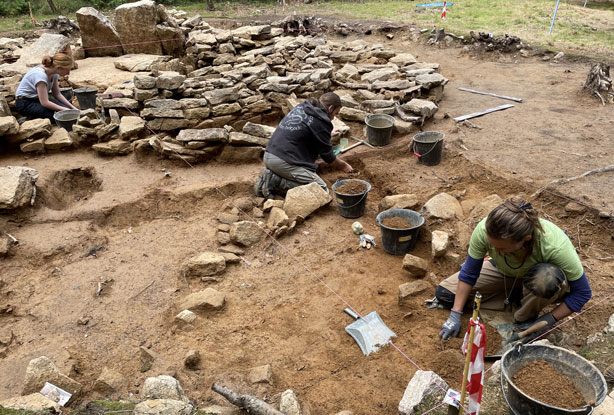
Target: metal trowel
[{"x": 369, "y": 331}]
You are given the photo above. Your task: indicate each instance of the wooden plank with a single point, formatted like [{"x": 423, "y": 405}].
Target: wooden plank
[
  {"x": 473, "y": 91},
  {"x": 479, "y": 114}
]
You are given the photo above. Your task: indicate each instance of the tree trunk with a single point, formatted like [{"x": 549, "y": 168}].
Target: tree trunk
[{"x": 54, "y": 10}]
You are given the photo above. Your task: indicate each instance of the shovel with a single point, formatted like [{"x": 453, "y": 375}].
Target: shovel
[
  {"x": 518, "y": 336},
  {"x": 369, "y": 331}
]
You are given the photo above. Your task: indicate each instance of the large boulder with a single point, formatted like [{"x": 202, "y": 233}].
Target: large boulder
[
  {"x": 304, "y": 200},
  {"x": 404, "y": 201},
  {"x": 171, "y": 39},
  {"x": 17, "y": 186},
  {"x": 47, "y": 45},
  {"x": 425, "y": 390},
  {"x": 136, "y": 25},
  {"x": 98, "y": 31}
]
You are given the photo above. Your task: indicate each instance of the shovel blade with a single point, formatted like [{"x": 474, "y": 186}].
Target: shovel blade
[{"x": 370, "y": 333}]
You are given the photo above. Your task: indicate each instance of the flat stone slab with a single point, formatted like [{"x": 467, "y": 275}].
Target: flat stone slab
[{"x": 138, "y": 62}]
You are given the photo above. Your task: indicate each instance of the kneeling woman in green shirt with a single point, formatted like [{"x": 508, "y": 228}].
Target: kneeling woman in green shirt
[{"x": 514, "y": 255}]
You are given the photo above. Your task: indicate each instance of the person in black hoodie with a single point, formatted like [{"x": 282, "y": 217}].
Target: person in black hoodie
[{"x": 302, "y": 135}]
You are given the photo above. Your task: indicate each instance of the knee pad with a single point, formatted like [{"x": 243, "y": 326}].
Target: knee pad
[
  {"x": 444, "y": 296},
  {"x": 544, "y": 280}
]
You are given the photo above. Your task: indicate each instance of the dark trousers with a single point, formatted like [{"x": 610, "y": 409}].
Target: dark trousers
[{"x": 32, "y": 108}]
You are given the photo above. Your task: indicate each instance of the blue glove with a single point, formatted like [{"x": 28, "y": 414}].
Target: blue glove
[
  {"x": 452, "y": 325},
  {"x": 548, "y": 318}
]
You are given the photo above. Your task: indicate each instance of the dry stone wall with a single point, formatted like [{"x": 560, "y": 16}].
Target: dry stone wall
[{"x": 229, "y": 83}]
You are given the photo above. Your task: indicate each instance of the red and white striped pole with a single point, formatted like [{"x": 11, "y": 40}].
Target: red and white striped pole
[{"x": 443, "y": 12}]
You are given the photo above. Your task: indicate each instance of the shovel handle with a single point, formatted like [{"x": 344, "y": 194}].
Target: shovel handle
[
  {"x": 351, "y": 313},
  {"x": 535, "y": 327}
]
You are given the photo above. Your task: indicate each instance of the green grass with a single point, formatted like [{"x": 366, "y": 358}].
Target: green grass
[{"x": 583, "y": 31}]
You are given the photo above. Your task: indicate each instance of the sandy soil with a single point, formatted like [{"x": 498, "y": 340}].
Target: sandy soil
[{"x": 285, "y": 301}]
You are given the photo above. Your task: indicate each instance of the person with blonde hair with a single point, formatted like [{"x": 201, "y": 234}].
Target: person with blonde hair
[
  {"x": 515, "y": 257},
  {"x": 33, "y": 100}
]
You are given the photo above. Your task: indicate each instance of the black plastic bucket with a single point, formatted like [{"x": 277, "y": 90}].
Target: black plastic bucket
[
  {"x": 66, "y": 119},
  {"x": 586, "y": 378},
  {"x": 86, "y": 97},
  {"x": 351, "y": 206},
  {"x": 428, "y": 146},
  {"x": 379, "y": 128},
  {"x": 400, "y": 241},
  {"x": 67, "y": 92}
]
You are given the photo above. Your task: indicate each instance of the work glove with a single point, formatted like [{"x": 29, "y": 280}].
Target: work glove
[
  {"x": 548, "y": 318},
  {"x": 452, "y": 325}
]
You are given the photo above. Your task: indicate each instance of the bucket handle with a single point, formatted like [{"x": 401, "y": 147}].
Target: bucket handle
[
  {"x": 355, "y": 204},
  {"x": 510, "y": 406},
  {"x": 422, "y": 155}
]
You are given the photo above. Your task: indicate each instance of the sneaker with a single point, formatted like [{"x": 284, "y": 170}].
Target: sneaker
[{"x": 259, "y": 183}]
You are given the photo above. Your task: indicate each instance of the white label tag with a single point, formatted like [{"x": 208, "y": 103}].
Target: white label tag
[{"x": 452, "y": 398}]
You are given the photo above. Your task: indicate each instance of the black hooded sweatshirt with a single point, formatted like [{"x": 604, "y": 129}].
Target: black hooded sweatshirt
[{"x": 303, "y": 135}]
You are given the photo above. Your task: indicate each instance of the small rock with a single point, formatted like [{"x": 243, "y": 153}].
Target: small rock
[
  {"x": 558, "y": 56},
  {"x": 186, "y": 317},
  {"x": 18, "y": 187},
  {"x": 604, "y": 215},
  {"x": 443, "y": 206},
  {"x": 231, "y": 249},
  {"x": 261, "y": 374},
  {"x": 223, "y": 227},
  {"x": 205, "y": 264},
  {"x": 163, "y": 407},
  {"x": 163, "y": 387},
  {"x": 32, "y": 402},
  {"x": 245, "y": 233},
  {"x": 257, "y": 213},
  {"x": 227, "y": 218},
  {"x": 409, "y": 289},
  {"x": 288, "y": 403},
  {"x": 439, "y": 243},
  {"x": 148, "y": 356},
  {"x": 406, "y": 201},
  {"x": 610, "y": 327},
  {"x": 424, "y": 388},
  {"x": 108, "y": 382},
  {"x": 244, "y": 204},
  {"x": 192, "y": 359},
  {"x": 277, "y": 218},
  {"x": 573, "y": 207},
  {"x": 223, "y": 238},
  {"x": 206, "y": 300},
  {"x": 41, "y": 370},
  {"x": 230, "y": 258},
  {"x": 270, "y": 203},
  {"x": 416, "y": 266}
]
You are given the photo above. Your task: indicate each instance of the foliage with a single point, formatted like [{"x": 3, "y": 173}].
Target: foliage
[{"x": 13, "y": 7}]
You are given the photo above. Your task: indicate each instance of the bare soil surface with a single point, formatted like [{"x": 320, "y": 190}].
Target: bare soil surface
[
  {"x": 544, "y": 383},
  {"x": 396, "y": 223},
  {"x": 122, "y": 223}
]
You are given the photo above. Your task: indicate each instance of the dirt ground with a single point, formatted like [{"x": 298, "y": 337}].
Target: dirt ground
[{"x": 284, "y": 302}]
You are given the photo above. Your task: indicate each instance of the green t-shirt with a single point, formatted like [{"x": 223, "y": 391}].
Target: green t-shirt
[{"x": 550, "y": 247}]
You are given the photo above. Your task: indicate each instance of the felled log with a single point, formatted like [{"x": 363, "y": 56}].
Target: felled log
[
  {"x": 246, "y": 402},
  {"x": 598, "y": 80}
]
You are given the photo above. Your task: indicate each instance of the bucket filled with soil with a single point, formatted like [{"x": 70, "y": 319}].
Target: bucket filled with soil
[
  {"x": 351, "y": 197},
  {"x": 549, "y": 380},
  {"x": 400, "y": 229}
]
